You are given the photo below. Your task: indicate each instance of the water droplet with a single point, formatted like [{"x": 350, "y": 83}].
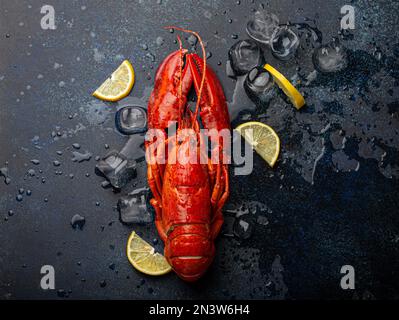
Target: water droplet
[
  {"x": 192, "y": 40},
  {"x": 78, "y": 221},
  {"x": 159, "y": 41},
  {"x": 80, "y": 157},
  {"x": 4, "y": 174}
]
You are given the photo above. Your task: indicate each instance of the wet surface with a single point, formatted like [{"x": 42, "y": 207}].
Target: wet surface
[{"x": 331, "y": 200}]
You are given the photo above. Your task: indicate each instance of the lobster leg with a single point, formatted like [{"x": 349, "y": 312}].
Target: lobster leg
[
  {"x": 154, "y": 177},
  {"x": 220, "y": 195}
]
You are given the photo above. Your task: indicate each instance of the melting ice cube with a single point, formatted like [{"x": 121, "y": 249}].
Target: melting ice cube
[
  {"x": 243, "y": 227},
  {"x": 331, "y": 57},
  {"x": 245, "y": 55},
  {"x": 262, "y": 26},
  {"x": 133, "y": 207},
  {"x": 131, "y": 120},
  {"x": 117, "y": 169},
  {"x": 259, "y": 86},
  {"x": 284, "y": 43}
]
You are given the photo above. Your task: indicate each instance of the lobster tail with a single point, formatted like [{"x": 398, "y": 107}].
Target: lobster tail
[{"x": 190, "y": 250}]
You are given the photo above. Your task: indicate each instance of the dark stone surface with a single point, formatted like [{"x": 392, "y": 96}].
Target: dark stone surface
[{"x": 331, "y": 200}]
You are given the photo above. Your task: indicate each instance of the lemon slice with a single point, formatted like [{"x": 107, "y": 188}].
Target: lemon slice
[
  {"x": 263, "y": 139},
  {"x": 118, "y": 85},
  {"x": 144, "y": 258},
  {"x": 290, "y": 91}
]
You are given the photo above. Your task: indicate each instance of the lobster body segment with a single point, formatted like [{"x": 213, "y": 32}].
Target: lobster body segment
[{"x": 188, "y": 197}]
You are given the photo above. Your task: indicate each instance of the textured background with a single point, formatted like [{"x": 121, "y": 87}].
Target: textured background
[{"x": 331, "y": 200}]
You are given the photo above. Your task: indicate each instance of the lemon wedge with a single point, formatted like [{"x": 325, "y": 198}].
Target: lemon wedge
[
  {"x": 263, "y": 139},
  {"x": 118, "y": 85},
  {"x": 144, "y": 258},
  {"x": 290, "y": 91}
]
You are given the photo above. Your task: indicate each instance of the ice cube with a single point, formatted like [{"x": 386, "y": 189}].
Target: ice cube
[
  {"x": 262, "y": 26},
  {"x": 133, "y": 207},
  {"x": 134, "y": 147},
  {"x": 116, "y": 168},
  {"x": 331, "y": 57},
  {"x": 259, "y": 86},
  {"x": 243, "y": 227},
  {"x": 228, "y": 226},
  {"x": 131, "y": 119},
  {"x": 284, "y": 43},
  {"x": 245, "y": 55}
]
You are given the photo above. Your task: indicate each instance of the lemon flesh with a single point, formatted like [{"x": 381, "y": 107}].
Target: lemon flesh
[
  {"x": 118, "y": 85},
  {"x": 289, "y": 90},
  {"x": 263, "y": 139},
  {"x": 144, "y": 258}
]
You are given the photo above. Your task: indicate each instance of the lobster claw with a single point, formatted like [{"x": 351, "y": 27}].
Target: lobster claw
[
  {"x": 214, "y": 112},
  {"x": 165, "y": 99}
]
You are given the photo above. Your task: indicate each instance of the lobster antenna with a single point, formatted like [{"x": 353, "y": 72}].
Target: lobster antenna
[
  {"x": 180, "y": 81},
  {"x": 203, "y": 73}
]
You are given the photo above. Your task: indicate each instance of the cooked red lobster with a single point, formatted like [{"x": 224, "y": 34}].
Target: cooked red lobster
[{"x": 188, "y": 197}]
